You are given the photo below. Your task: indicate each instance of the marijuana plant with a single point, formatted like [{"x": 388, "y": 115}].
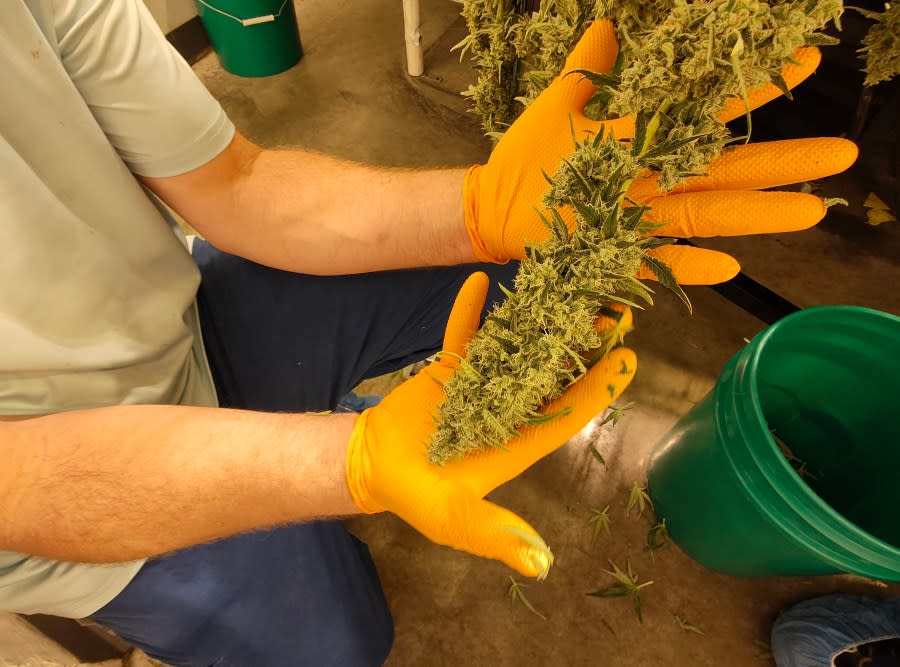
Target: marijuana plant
[
  {"x": 516, "y": 54},
  {"x": 881, "y": 45},
  {"x": 680, "y": 60}
]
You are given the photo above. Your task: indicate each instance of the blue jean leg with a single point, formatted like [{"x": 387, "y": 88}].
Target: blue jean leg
[
  {"x": 305, "y": 594},
  {"x": 297, "y": 595},
  {"x": 282, "y": 341}
]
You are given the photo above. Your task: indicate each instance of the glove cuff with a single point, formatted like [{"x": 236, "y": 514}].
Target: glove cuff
[
  {"x": 470, "y": 214},
  {"x": 358, "y": 468}
]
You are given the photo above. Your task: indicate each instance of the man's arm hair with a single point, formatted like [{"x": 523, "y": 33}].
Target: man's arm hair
[
  {"x": 125, "y": 482},
  {"x": 311, "y": 213}
]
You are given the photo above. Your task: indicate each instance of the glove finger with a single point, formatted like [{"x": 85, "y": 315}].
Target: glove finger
[
  {"x": 733, "y": 213},
  {"x": 808, "y": 59},
  {"x": 769, "y": 164},
  {"x": 456, "y": 518},
  {"x": 483, "y": 471},
  {"x": 465, "y": 315},
  {"x": 694, "y": 266},
  {"x": 623, "y": 319},
  {"x": 596, "y": 51}
]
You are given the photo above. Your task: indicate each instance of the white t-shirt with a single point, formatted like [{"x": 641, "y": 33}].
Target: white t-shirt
[{"x": 97, "y": 287}]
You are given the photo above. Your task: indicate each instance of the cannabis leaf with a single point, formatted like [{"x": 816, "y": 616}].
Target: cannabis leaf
[
  {"x": 638, "y": 497},
  {"x": 599, "y": 522},
  {"x": 592, "y": 448},
  {"x": 666, "y": 278},
  {"x": 628, "y": 586},
  {"x": 657, "y": 536},
  {"x": 687, "y": 627},
  {"x": 516, "y": 595},
  {"x": 615, "y": 414}
]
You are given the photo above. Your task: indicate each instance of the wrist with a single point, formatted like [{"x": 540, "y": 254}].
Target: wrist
[
  {"x": 312, "y": 469},
  {"x": 470, "y": 216},
  {"x": 358, "y": 467}
]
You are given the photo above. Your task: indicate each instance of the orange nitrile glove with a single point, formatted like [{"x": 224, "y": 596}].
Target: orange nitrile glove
[
  {"x": 501, "y": 197},
  {"x": 388, "y": 470}
]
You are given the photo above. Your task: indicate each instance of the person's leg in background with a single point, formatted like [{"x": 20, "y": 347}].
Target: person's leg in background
[{"x": 305, "y": 594}]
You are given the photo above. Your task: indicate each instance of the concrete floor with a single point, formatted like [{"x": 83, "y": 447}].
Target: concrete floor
[{"x": 349, "y": 96}]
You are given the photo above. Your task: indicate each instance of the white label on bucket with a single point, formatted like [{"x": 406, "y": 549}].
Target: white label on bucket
[{"x": 268, "y": 18}]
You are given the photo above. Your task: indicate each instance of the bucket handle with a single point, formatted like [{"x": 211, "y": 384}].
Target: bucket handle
[{"x": 265, "y": 18}]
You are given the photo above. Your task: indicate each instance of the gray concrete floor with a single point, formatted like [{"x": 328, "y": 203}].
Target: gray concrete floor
[{"x": 349, "y": 96}]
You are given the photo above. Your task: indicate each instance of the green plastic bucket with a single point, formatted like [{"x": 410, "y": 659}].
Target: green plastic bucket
[
  {"x": 826, "y": 498},
  {"x": 252, "y": 38}
]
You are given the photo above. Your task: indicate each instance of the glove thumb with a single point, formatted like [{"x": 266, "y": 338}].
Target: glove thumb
[
  {"x": 596, "y": 51},
  {"x": 485, "y": 529}
]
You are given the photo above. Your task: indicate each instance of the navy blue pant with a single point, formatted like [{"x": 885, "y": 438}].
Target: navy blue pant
[{"x": 304, "y": 594}]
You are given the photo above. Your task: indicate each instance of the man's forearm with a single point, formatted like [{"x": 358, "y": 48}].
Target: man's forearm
[
  {"x": 303, "y": 211},
  {"x": 125, "y": 482},
  {"x": 333, "y": 217}
]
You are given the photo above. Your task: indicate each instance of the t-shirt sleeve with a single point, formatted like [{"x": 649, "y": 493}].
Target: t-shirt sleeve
[{"x": 155, "y": 112}]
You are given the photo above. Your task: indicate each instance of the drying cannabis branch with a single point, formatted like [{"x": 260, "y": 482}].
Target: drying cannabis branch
[
  {"x": 679, "y": 63},
  {"x": 881, "y": 45},
  {"x": 516, "y": 54}
]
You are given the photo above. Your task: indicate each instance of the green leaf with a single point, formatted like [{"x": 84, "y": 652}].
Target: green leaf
[
  {"x": 581, "y": 177},
  {"x": 637, "y": 288},
  {"x": 687, "y": 627},
  {"x": 611, "y": 592},
  {"x": 588, "y": 293},
  {"x": 818, "y": 39},
  {"x": 599, "y": 522},
  {"x": 516, "y": 595},
  {"x": 638, "y": 497},
  {"x": 666, "y": 278},
  {"x": 508, "y": 346},
  {"x": 590, "y": 216},
  {"x": 613, "y": 189},
  {"x": 559, "y": 229},
  {"x": 610, "y": 223},
  {"x": 640, "y": 133},
  {"x": 505, "y": 290},
  {"x": 637, "y": 607},
  {"x": 499, "y": 321},
  {"x": 599, "y": 80},
  {"x": 534, "y": 254},
  {"x": 626, "y": 578},
  {"x": 657, "y": 536},
  {"x": 616, "y": 413},
  {"x": 667, "y": 147},
  {"x": 652, "y": 242},
  {"x": 608, "y": 626},
  {"x": 622, "y": 299},
  {"x": 592, "y": 448},
  {"x": 631, "y": 216},
  {"x": 539, "y": 419},
  {"x": 781, "y": 84}
]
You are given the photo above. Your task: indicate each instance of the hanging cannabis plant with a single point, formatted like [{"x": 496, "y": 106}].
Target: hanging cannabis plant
[
  {"x": 881, "y": 45},
  {"x": 516, "y": 54},
  {"x": 679, "y": 62}
]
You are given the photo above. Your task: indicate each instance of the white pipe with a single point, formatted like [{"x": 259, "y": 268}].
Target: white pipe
[{"x": 415, "y": 63}]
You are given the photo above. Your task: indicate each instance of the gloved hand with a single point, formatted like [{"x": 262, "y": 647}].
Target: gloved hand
[
  {"x": 500, "y": 197},
  {"x": 387, "y": 466}
]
